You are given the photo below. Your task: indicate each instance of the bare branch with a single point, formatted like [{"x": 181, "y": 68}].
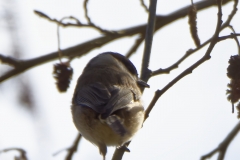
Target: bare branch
[
  {"x": 77, "y": 24},
  {"x": 234, "y": 11},
  {"x": 90, "y": 21},
  {"x": 176, "y": 64},
  {"x": 235, "y": 38},
  {"x": 188, "y": 53},
  {"x": 22, "y": 156},
  {"x": 191, "y": 51},
  {"x": 232, "y": 35},
  {"x": 43, "y": 15},
  {"x": 71, "y": 150},
  {"x": 86, "y": 11},
  {"x": 144, "y": 5},
  {"x": 118, "y": 154},
  {"x": 74, "y": 147},
  {"x": 192, "y": 21},
  {"x": 189, "y": 70},
  {"x": 75, "y": 51},
  {"x": 137, "y": 43},
  {"x": 222, "y": 147},
  {"x": 9, "y": 60},
  {"x": 84, "y": 48},
  {"x": 145, "y": 72}
]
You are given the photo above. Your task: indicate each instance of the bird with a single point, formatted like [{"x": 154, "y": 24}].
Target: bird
[{"x": 106, "y": 106}]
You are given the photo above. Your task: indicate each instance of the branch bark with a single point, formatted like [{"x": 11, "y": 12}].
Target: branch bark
[
  {"x": 145, "y": 73},
  {"x": 222, "y": 147},
  {"x": 84, "y": 48}
]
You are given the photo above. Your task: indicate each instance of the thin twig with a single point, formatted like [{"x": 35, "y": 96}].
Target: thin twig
[
  {"x": 235, "y": 38},
  {"x": 9, "y": 60},
  {"x": 75, "y": 51},
  {"x": 84, "y": 48},
  {"x": 222, "y": 147},
  {"x": 176, "y": 64},
  {"x": 73, "y": 148},
  {"x": 86, "y": 11},
  {"x": 78, "y": 24},
  {"x": 191, "y": 51},
  {"x": 118, "y": 154},
  {"x": 90, "y": 23},
  {"x": 58, "y": 35},
  {"x": 232, "y": 35},
  {"x": 144, "y": 5},
  {"x": 192, "y": 21},
  {"x": 189, "y": 70},
  {"x": 58, "y": 38},
  {"x": 22, "y": 156},
  {"x": 231, "y": 15},
  {"x": 188, "y": 53},
  {"x": 137, "y": 43}
]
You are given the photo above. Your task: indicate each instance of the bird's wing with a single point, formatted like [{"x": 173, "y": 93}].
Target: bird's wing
[
  {"x": 104, "y": 100},
  {"x": 120, "y": 98},
  {"x": 95, "y": 96}
]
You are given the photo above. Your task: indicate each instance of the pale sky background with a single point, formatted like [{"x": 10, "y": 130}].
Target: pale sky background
[{"x": 189, "y": 120}]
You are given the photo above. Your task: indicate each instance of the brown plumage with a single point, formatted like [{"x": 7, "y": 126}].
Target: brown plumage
[{"x": 106, "y": 104}]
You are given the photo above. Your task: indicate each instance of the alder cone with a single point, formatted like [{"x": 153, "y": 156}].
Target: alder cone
[
  {"x": 62, "y": 72},
  {"x": 233, "y": 70}
]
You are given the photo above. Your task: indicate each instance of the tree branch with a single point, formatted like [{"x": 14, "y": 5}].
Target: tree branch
[
  {"x": 74, "y": 147},
  {"x": 86, "y": 11},
  {"x": 189, "y": 70},
  {"x": 222, "y": 147},
  {"x": 118, "y": 154},
  {"x": 145, "y": 72},
  {"x": 232, "y": 35},
  {"x": 236, "y": 39},
  {"x": 75, "y": 51},
  {"x": 144, "y": 5},
  {"x": 77, "y": 24},
  {"x": 84, "y": 48},
  {"x": 191, "y": 51},
  {"x": 176, "y": 64},
  {"x": 10, "y": 60},
  {"x": 234, "y": 11},
  {"x": 22, "y": 156},
  {"x": 137, "y": 43}
]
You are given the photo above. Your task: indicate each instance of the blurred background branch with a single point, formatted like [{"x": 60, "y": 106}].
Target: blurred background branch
[
  {"x": 84, "y": 48},
  {"x": 19, "y": 65}
]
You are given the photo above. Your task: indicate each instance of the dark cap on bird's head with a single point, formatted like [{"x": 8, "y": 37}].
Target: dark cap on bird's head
[{"x": 127, "y": 63}]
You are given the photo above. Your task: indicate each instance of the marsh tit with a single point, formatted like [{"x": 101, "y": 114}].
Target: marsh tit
[{"x": 106, "y": 105}]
